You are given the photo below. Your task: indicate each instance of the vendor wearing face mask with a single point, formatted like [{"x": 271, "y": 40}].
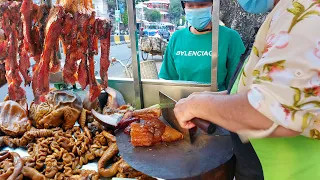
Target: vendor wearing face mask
[
  {"x": 188, "y": 54},
  {"x": 275, "y": 97}
]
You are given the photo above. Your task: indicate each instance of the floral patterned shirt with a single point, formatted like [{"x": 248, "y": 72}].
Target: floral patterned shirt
[{"x": 282, "y": 72}]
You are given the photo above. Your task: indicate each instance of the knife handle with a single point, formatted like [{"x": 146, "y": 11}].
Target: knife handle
[{"x": 204, "y": 125}]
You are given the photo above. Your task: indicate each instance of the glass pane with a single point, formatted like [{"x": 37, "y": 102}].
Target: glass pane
[
  {"x": 186, "y": 56},
  {"x": 156, "y": 23},
  {"x": 120, "y": 51}
]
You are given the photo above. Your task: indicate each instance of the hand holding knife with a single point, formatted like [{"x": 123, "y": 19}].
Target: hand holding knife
[{"x": 167, "y": 105}]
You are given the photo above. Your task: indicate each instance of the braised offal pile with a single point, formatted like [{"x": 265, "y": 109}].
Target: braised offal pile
[
  {"x": 57, "y": 149},
  {"x": 29, "y": 30}
]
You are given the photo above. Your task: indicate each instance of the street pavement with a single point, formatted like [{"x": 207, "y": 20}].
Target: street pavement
[
  {"x": 123, "y": 53},
  {"x": 120, "y": 52}
]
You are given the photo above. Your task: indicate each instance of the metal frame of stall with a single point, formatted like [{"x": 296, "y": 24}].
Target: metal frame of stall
[{"x": 143, "y": 93}]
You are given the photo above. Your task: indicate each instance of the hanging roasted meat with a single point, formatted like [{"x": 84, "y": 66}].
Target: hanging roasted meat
[
  {"x": 69, "y": 40},
  {"x": 80, "y": 42},
  {"x": 34, "y": 18},
  {"x": 39, "y": 19},
  {"x": 95, "y": 88},
  {"x": 18, "y": 38},
  {"x": 103, "y": 30},
  {"x": 83, "y": 76},
  {"x": 96, "y": 29},
  {"x": 10, "y": 25},
  {"x": 55, "y": 64},
  {"x": 80, "y": 6},
  {"x": 24, "y": 63},
  {"x": 31, "y": 31},
  {"x": 3, "y": 53},
  {"x": 3, "y": 79},
  {"x": 26, "y": 12},
  {"x": 40, "y": 81},
  {"x": 3, "y": 41}
]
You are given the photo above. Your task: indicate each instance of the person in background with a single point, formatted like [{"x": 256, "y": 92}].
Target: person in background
[
  {"x": 234, "y": 17},
  {"x": 141, "y": 33},
  {"x": 188, "y": 54},
  {"x": 275, "y": 94}
]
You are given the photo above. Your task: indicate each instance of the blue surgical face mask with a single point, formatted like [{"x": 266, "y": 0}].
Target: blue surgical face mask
[
  {"x": 256, "y": 6},
  {"x": 199, "y": 18}
]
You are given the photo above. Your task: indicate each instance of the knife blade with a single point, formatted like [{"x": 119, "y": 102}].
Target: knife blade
[
  {"x": 167, "y": 104},
  {"x": 107, "y": 120}
]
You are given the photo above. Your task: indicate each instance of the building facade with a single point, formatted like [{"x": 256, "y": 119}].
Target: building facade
[{"x": 160, "y": 5}]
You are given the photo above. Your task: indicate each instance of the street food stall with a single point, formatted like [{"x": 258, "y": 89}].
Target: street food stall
[
  {"x": 154, "y": 45},
  {"x": 121, "y": 131}
]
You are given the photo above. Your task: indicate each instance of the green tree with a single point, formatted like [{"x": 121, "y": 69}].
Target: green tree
[
  {"x": 124, "y": 18},
  {"x": 175, "y": 11},
  {"x": 152, "y": 15}
]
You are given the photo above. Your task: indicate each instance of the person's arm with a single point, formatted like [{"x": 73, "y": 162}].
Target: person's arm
[
  {"x": 236, "y": 49},
  {"x": 233, "y": 112},
  {"x": 283, "y": 89},
  {"x": 168, "y": 68}
]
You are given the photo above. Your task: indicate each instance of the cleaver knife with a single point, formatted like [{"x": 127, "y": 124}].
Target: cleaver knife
[{"x": 167, "y": 105}]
